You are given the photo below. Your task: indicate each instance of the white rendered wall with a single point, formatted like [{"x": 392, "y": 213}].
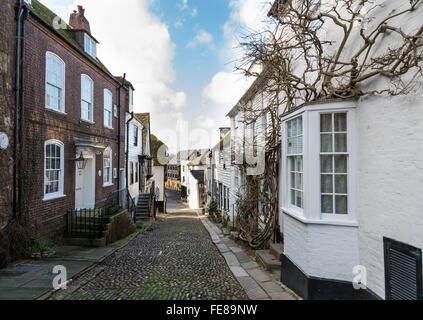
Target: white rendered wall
[
  {"x": 390, "y": 193},
  {"x": 159, "y": 181},
  {"x": 193, "y": 197}
]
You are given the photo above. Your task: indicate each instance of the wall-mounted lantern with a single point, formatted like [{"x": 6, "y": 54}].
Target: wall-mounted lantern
[{"x": 81, "y": 162}]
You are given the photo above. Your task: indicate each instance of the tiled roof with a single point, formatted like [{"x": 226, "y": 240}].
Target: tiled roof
[{"x": 65, "y": 32}]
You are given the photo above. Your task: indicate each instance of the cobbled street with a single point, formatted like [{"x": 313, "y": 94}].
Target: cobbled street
[{"x": 177, "y": 260}]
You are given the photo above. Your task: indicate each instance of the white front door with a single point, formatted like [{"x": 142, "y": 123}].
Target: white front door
[{"x": 85, "y": 186}]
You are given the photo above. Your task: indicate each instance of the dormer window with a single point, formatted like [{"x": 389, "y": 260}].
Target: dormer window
[{"x": 90, "y": 46}]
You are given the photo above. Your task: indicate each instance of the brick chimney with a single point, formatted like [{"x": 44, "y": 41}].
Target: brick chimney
[{"x": 78, "y": 21}]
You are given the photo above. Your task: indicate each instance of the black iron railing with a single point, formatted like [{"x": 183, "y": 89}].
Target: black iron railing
[
  {"x": 86, "y": 223},
  {"x": 91, "y": 223}
]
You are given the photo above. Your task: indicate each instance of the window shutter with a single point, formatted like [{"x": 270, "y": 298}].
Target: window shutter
[{"x": 403, "y": 271}]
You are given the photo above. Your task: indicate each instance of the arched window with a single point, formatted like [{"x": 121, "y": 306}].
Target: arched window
[
  {"x": 87, "y": 98},
  {"x": 55, "y": 82},
  {"x": 107, "y": 167},
  {"x": 108, "y": 106},
  {"x": 53, "y": 169}
]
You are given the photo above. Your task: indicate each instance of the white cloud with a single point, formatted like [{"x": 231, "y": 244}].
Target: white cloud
[
  {"x": 226, "y": 88},
  {"x": 202, "y": 38},
  {"x": 184, "y": 5},
  {"x": 194, "y": 12},
  {"x": 134, "y": 41}
]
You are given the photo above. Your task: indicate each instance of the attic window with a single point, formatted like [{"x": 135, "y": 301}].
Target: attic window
[{"x": 90, "y": 46}]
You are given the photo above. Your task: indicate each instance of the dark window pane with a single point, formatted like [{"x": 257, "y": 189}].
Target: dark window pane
[
  {"x": 341, "y": 203},
  {"x": 340, "y": 142},
  {"x": 326, "y": 143},
  {"x": 341, "y": 184},
  {"x": 326, "y": 164},
  {"x": 326, "y": 184},
  {"x": 340, "y": 122},
  {"x": 327, "y": 204},
  {"x": 341, "y": 164},
  {"x": 326, "y": 123}
]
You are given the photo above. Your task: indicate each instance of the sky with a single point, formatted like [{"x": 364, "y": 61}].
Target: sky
[{"x": 180, "y": 55}]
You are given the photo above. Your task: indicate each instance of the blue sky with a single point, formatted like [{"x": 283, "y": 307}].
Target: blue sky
[{"x": 179, "y": 55}]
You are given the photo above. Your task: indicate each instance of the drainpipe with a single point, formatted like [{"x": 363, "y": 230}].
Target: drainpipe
[
  {"x": 119, "y": 125},
  {"x": 22, "y": 111},
  {"x": 127, "y": 150},
  {"x": 16, "y": 168}
]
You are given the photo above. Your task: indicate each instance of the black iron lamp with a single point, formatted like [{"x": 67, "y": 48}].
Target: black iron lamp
[{"x": 81, "y": 162}]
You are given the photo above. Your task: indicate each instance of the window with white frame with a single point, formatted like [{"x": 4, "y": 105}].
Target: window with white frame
[
  {"x": 53, "y": 168},
  {"x": 295, "y": 162},
  {"x": 131, "y": 173},
  {"x": 55, "y": 82},
  {"x": 87, "y": 98},
  {"x": 108, "y": 108},
  {"x": 90, "y": 46},
  {"x": 135, "y": 136},
  {"x": 334, "y": 163},
  {"x": 107, "y": 166},
  {"x": 137, "y": 165}
]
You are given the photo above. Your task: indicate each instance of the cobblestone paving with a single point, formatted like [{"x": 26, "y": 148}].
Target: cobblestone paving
[{"x": 177, "y": 260}]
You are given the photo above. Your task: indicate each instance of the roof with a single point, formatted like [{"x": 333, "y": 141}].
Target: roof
[
  {"x": 189, "y": 155},
  {"x": 144, "y": 118},
  {"x": 200, "y": 160},
  {"x": 126, "y": 83},
  {"x": 65, "y": 32},
  {"x": 198, "y": 175}
]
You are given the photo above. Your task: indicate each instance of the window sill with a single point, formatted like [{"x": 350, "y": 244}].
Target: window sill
[
  {"x": 326, "y": 221},
  {"x": 110, "y": 128},
  {"x": 87, "y": 121},
  {"x": 54, "y": 197},
  {"x": 56, "y": 111},
  {"x": 106, "y": 185}
]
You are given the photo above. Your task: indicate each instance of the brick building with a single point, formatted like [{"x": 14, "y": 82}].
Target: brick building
[
  {"x": 74, "y": 108},
  {"x": 7, "y": 107}
]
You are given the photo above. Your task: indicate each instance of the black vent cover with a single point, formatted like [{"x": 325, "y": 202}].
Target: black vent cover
[{"x": 403, "y": 271}]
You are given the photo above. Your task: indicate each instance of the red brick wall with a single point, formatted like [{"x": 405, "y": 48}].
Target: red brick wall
[
  {"x": 7, "y": 64},
  {"x": 43, "y": 124}
]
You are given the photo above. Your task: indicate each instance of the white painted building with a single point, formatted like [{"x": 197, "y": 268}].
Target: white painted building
[
  {"x": 219, "y": 173},
  {"x": 351, "y": 181},
  {"x": 159, "y": 177},
  {"x": 135, "y": 145}
]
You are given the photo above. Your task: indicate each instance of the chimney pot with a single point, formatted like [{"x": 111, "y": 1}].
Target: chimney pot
[
  {"x": 81, "y": 10},
  {"x": 78, "y": 21}
]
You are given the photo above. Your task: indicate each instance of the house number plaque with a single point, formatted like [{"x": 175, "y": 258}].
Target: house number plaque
[{"x": 4, "y": 141}]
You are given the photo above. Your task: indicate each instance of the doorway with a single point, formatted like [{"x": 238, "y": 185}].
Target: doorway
[{"x": 85, "y": 186}]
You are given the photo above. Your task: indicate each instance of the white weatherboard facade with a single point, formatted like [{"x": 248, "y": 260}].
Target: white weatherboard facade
[{"x": 135, "y": 150}]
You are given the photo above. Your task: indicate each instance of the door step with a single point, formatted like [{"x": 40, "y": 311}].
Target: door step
[
  {"x": 276, "y": 249},
  {"x": 267, "y": 260}
]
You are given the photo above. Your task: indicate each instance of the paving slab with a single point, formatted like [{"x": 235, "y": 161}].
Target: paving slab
[
  {"x": 222, "y": 247},
  {"x": 250, "y": 265},
  {"x": 238, "y": 271},
  {"x": 259, "y": 275},
  {"x": 231, "y": 259}
]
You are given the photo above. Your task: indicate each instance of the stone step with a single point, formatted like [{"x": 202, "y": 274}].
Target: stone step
[
  {"x": 277, "y": 250},
  {"x": 267, "y": 260}
]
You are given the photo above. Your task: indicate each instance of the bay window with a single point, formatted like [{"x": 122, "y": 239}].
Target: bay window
[
  {"x": 295, "y": 162},
  {"x": 319, "y": 164},
  {"x": 108, "y": 108},
  {"x": 87, "y": 97},
  {"x": 55, "y": 83}
]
